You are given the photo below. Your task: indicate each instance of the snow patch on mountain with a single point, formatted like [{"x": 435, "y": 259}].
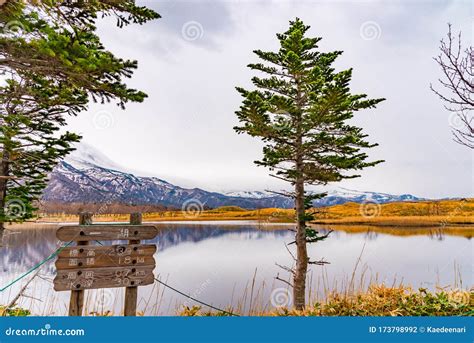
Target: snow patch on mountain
[
  {"x": 86, "y": 156},
  {"x": 250, "y": 194},
  {"x": 368, "y": 196},
  {"x": 334, "y": 195},
  {"x": 88, "y": 176}
]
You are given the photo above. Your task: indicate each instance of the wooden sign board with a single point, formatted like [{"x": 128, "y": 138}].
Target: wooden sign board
[
  {"x": 103, "y": 261},
  {"x": 91, "y": 267},
  {"x": 106, "y": 232},
  {"x": 118, "y": 250},
  {"x": 81, "y": 279}
]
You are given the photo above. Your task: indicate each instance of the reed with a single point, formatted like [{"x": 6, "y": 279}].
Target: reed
[{"x": 358, "y": 294}]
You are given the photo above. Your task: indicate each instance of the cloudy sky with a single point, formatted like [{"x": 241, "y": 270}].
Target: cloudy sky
[{"x": 191, "y": 60}]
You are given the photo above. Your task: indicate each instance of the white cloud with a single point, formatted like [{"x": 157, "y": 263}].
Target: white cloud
[{"x": 183, "y": 131}]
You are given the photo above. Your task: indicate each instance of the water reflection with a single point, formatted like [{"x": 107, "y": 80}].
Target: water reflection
[
  {"x": 174, "y": 234},
  {"x": 218, "y": 262}
]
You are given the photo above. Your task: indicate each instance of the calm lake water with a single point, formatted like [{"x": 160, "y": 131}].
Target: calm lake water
[{"x": 235, "y": 263}]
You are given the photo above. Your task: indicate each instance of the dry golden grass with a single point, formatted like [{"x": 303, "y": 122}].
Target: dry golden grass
[
  {"x": 421, "y": 213},
  {"x": 270, "y": 215},
  {"x": 417, "y": 221},
  {"x": 407, "y": 230},
  {"x": 378, "y": 300}
]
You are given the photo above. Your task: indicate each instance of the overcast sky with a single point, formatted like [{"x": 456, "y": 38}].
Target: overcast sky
[{"x": 191, "y": 60}]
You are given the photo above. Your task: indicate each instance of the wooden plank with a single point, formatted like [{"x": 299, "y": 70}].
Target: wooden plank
[
  {"x": 106, "y": 232},
  {"x": 80, "y": 279},
  {"x": 116, "y": 250},
  {"x": 131, "y": 293},
  {"x": 76, "y": 301},
  {"x": 131, "y": 299},
  {"x": 103, "y": 261}
]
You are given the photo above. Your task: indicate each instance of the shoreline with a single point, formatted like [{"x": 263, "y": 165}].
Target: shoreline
[
  {"x": 436, "y": 214},
  {"x": 406, "y": 222},
  {"x": 466, "y": 231},
  {"x": 397, "y": 224}
]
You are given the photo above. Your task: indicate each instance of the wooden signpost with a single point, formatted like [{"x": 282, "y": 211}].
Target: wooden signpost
[{"x": 87, "y": 266}]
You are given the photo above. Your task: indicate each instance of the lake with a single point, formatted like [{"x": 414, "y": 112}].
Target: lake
[{"x": 235, "y": 263}]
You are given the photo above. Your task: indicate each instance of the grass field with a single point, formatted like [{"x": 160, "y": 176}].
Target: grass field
[
  {"x": 378, "y": 300},
  {"x": 421, "y": 213},
  {"x": 432, "y": 231},
  {"x": 271, "y": 215}
]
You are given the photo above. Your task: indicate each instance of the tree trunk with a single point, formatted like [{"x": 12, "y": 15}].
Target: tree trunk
[
  {"x": 4, "y": 171},
  {"x": 299, "y": 280}
]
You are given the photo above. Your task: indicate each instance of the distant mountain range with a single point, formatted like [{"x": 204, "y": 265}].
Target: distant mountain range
[{"x": 88, "y": 176}]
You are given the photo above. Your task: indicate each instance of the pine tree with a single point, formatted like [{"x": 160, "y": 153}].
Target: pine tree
[
  {"x": 300, "y": 109},
  {"x": 57, "y": 40},
  {"x": 53, "y": 61},
  {"x": 30, "y": 117}
]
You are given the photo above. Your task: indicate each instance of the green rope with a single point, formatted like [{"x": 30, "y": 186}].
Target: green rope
[
  {"x": 50, "y": 257},
  {"x": 54, "y": 254}
]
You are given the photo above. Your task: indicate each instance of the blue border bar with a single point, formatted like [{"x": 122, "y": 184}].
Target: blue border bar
[{"x": 242, "y": 329}]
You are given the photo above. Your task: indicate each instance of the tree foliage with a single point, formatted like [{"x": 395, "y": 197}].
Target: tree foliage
[
  {"x": 301, "y": 107},
  {"x": 52, "y": 62}
]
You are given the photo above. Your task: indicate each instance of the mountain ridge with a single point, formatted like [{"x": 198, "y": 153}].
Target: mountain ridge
[{"x": 88, "y": 176}]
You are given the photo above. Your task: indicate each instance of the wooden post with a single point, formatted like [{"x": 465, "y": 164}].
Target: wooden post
[
  {"x": 131, "y": 293},
  {"x": 76, "y": 303}
]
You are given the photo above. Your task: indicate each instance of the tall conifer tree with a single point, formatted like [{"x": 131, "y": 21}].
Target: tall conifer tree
[{"x": 300, "y": 109}]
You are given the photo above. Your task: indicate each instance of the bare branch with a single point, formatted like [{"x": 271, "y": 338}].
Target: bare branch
[
  {"x": 282, "y": 193},
  {"x": 321, "y": 262},
  {"x": 457, "y": 67},
  {"x": 283, "y": 280},
  {"x": 285, "y": 268}
]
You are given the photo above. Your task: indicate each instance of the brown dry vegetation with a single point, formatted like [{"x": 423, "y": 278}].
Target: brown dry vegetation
[
  {"x": 432, "y": 231},
  {"x": 422, "y": 213},
  {"x": 378, "y": 300},
  {"x": 271, "y": 215}
]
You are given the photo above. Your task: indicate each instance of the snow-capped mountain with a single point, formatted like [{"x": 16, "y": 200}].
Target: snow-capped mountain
[
  {"x": 342, "y": 195},
  {"x": 86, "y": 156},
  {"x": 249, "y": 194},
  {"x": 335, "y": 195},
  {"x": 88, "y": 176}
]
